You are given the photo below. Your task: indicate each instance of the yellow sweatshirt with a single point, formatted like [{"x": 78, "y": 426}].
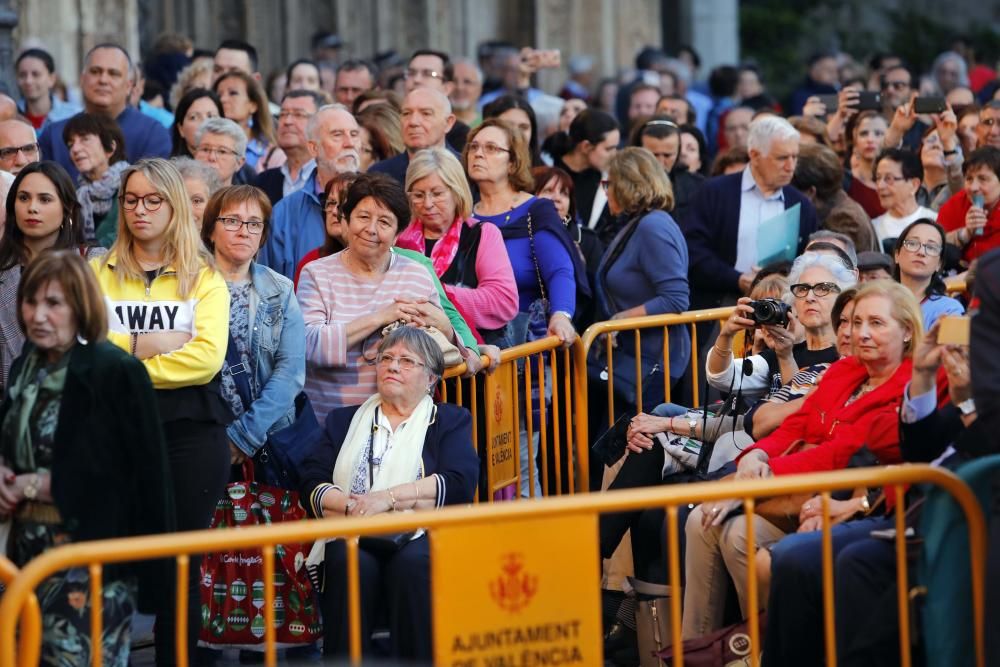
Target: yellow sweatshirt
[{"x": 134, "y": 307}]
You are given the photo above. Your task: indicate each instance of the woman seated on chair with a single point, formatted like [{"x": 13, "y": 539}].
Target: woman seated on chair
[
  {"x": 856, "y": 403},
  {"x": 397, "y": 451}
]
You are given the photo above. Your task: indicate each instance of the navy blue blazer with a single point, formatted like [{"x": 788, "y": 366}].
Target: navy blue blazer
[
  {"x": 711, "y": 227},
  {"x": 448, "y": 453},
  {"x": 272, "y": 182}
]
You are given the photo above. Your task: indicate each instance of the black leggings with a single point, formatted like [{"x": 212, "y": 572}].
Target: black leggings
[{"x": 198, "y": 453}]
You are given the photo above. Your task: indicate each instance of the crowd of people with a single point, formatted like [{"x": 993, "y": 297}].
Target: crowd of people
[{"x": 195, "y": 252}]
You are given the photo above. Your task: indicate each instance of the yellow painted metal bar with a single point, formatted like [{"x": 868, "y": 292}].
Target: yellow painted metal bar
[
  {"x": 180, "y": 611},
  {"x": 270, "y": 652},
  {"x": 753, "y": 603},
  {"x": 168, "y": 545},
  {"x": 676, "y": 591},
  {"x": 829, "y": 621},
  {"x": 354, "y": 601},
  {"x": 543, "y": 413},
  {"x": 529, "y": 423},
  {"x": 638, "y": 370},
  {"x": 583, "y": 449},
  {"x": 902, "y": 587},
  {"x": 96, "y": 615},
  {"x": 556, "y": 448}
]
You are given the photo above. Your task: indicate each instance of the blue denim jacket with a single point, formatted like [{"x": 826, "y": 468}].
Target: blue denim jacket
[{"x": 278, "y": 360}]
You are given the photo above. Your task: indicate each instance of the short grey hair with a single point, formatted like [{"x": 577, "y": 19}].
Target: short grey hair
[
  {"x": 475, "y": 66},
  {"x": 419, "y": 342},
  {"x": 312, "y": 127},
  {"x": 829, "y": 235},
  {"x": 811, "y": 260},
  {"x": 191, "y": 168},
  {"x": 769, "y": 128},
  {"x": 226, "y": 128}
]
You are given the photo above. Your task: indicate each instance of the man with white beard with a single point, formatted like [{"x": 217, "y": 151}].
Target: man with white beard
[{"x": 297, "y": 223}]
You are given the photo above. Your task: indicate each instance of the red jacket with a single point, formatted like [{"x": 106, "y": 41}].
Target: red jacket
[
  {"x": 840, "y": 431},
  {"x": 952, "y": 217}
]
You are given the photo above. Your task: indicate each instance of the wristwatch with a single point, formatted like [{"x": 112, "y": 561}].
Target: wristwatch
[
  {"x": 967, "y": 407},
  {"x": 692, "y": 425},
  {"x": 866, "y": 506},
  {"x": 31, "y": 489}
]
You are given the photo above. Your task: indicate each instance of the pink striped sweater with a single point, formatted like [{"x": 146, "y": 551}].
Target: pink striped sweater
[{"x": 331, "y": 297}]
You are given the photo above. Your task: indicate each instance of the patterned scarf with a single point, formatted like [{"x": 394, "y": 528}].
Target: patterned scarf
[
  {"x": 96, "y": 197},
  {"x": 444, "y": 251},
  {"x": 35, "y": 382}
]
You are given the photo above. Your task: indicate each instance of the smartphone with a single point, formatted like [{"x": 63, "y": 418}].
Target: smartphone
[
  {"x": 954, "y": 330},
  {"x": 830, "y": 102},
  {"x": 929, "y": 105},
  {"x": 868, "y": 101}
]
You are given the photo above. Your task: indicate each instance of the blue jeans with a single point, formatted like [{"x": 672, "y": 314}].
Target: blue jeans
[{"x": 795, "y": 607}]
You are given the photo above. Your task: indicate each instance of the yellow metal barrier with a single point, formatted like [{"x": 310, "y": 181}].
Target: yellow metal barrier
[
  {"x": 28, "y": 649},
  {"x": 95, "y": 554},
  {"x": 507, "y": 392},
  {"x": 636, "y": 325}
]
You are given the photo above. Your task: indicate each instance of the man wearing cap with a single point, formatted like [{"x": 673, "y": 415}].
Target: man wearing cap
[{"x": 874, "y": 266}]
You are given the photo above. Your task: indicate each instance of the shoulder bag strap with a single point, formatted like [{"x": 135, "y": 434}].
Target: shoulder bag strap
[
  {"x": 239, "y": 372},
  {"x": 534, "y": 260}
]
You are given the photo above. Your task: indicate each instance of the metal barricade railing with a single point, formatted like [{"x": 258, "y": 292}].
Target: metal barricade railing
[
  {"x": 501, "y": 402},
  {"x": 94, "y": 555},
  {"x": 636, "y": 325},
  {"x": 28, "y": 649}
]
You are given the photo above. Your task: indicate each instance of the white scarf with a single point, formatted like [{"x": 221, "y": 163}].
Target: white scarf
[{"x": 401, "y": 465}]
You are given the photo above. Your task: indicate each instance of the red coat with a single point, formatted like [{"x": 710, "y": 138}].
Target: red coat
[
  {"x": 952, "y": 217},
  {"x": 840, "y": 431}
]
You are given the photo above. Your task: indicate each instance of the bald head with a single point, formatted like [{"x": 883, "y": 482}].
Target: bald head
[
  {"x": 8, "y": 107},
  {"x": 426, "y": 118},
  {"x": 18, "y": 145}
]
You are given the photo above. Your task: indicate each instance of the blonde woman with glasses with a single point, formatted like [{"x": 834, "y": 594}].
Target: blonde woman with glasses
[{"x": 169, "y": 307}]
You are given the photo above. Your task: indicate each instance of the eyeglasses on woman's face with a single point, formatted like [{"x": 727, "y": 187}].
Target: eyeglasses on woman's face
[
  {"x": 913, "y": 245},
  {"x": 801, "y": 290},
  {"x": 418, "y": 197},
  {"x": 233, "y": 224},
  {"x": 490, "y": 149},
  {"x": 151, "y": 202},
  {"x": 404, "y": 362}
]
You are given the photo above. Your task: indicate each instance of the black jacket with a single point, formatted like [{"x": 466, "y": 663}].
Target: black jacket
[
  {"x": 448, "y": 452},
  {"x": 110, "y": 476},
  {"x": 272, "y": 182}
]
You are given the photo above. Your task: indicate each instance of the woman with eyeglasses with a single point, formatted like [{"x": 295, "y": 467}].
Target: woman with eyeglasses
[
  {"x": 169, "y": 307},
  {"x": 396, "y": 452},
  {"x": 265, "y": 323},
  {"x": 469, "y": 257},
  {"x": 918, "y": 268},
  {"x": 855, "y": 404},
  {"x": 898, "y": 174}
]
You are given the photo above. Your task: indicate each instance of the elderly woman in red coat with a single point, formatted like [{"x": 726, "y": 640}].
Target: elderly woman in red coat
[{"x": 855, "y": 404}]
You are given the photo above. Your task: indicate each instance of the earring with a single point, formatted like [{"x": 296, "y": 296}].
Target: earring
[{"x": 81, "y": 340}]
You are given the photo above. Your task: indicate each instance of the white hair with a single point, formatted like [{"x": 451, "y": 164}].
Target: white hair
[
  {"x": 312, "y": 127},
  {"x": 963, "y": 68},
  {"x": 767, "y": 129},
  {"x": 226, "y": 128},
  {"x": 844, "y": 277}
]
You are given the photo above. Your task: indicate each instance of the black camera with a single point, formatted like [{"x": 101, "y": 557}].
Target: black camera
[{"x": 770, "y": 311}]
